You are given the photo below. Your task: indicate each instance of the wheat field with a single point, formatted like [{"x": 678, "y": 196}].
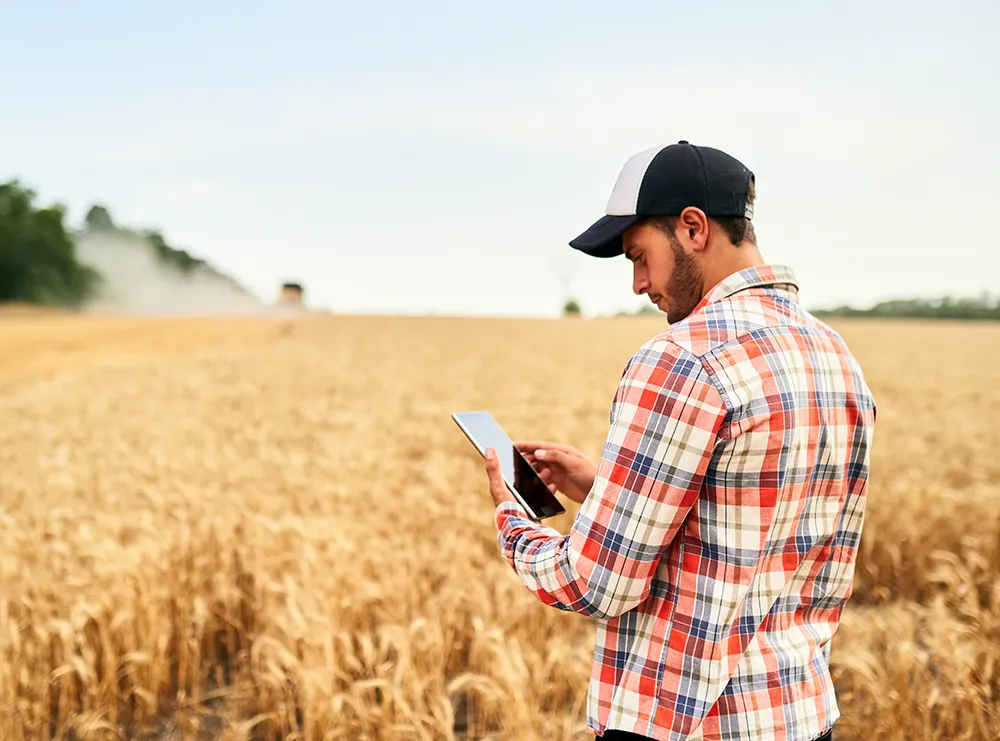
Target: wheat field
[{"x": 271, "y": 529}]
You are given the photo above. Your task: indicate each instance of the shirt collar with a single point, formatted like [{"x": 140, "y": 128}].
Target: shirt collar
[{"x": 779, "y": 277}]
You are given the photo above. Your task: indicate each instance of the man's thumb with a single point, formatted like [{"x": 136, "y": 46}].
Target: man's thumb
[{"x": 549, "y": 455}]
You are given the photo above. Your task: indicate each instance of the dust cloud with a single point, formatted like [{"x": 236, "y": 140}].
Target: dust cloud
[{"x": 135, "y": 281}]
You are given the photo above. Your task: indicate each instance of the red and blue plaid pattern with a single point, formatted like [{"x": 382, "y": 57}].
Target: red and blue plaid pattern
[{"x": 716, "y": 549}]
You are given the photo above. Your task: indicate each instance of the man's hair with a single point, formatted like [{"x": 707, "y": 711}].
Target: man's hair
[{"x": 737, "y": 228}]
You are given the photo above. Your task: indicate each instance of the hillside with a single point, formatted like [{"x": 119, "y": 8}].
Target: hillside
[
  {"x": 140, "y": 274},
  {"x": 103, "y": 267}
]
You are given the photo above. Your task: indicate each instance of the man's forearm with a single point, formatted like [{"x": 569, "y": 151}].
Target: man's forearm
[
  {"x": 655, "y": 456},
  {"x": 536, "y": 553},
  {"x": 552, "y": 566}
]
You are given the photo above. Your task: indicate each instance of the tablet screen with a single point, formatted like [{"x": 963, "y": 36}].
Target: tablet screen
[{"x": 485, "y": 433}]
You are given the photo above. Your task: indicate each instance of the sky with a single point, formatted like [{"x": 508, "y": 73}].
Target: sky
[{"x": 437, "y": 157}]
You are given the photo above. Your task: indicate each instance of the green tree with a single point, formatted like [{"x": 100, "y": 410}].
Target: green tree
[
  {"x": 179, "y": 260},
  {"x": 38, "y": 261},
  {"x": 571, "y": 308},
  {"x": 98, "y": 218}
]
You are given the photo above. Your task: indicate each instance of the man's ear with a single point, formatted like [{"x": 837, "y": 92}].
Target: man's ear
[{"x": 692, "y": 229}]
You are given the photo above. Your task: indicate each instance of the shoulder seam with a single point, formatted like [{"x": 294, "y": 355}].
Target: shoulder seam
[{"x": 713, "y": 379}]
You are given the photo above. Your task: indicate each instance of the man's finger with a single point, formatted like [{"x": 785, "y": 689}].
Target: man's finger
[
  {"x": 493, "y": 468},
  {"x": 554, "y": 456},
  {"x": 538, "y": 465},
  {"x": 530, "y": 446},
  {"x": 492, "y": 464},
  {"x": 498, "y": 489}
]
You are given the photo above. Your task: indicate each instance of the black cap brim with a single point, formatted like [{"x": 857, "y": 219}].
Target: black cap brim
[{"x": 604, "y": 237}]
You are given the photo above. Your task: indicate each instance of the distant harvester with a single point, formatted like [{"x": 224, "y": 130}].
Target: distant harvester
[{"x": 292, "y": 294}]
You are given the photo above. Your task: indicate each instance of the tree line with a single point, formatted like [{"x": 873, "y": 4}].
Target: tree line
[
  {"x": 39, "y": 263},
  {"x": 982, "y": 307}
]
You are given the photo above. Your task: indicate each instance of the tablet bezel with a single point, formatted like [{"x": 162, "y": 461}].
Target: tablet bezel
[{"x": 553, "y": 509}]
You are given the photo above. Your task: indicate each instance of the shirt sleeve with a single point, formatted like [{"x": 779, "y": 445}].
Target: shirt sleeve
[{"x": 665, "y": 420}]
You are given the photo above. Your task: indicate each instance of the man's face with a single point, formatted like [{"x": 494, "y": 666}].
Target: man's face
[{"x": 662, "y": 270}]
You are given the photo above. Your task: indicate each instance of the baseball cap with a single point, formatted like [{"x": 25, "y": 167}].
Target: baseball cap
[{"x": 663, "y": 181}]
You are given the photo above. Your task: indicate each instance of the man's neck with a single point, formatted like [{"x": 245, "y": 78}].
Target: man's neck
[{"x": 732, "y": 260}]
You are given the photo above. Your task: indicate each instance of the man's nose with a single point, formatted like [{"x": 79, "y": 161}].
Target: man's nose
[{"x": 639, "y": 284}]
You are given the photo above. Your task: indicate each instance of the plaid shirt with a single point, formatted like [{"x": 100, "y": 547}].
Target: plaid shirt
[{"x": 716, "y": 549}]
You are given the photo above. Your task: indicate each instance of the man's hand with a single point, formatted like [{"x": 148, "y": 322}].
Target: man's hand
[
  {"x": 498, "y": 490},
  {"x": 562, "y": 467}
]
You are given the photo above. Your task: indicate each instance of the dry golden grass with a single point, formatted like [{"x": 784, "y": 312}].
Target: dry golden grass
[{"x": 269, "y": 529}]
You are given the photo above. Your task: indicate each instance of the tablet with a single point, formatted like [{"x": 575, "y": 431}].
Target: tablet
[{"x": 521, "y": 479}]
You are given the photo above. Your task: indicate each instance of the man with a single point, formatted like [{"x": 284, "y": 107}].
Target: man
[{"x": 716, "y": 541}]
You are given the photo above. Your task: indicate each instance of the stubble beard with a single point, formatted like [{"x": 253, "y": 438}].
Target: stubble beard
[{"x": 687, "y": 284}]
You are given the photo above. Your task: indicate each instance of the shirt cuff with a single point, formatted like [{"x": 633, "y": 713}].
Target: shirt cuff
[{"x": 507, "y": 509}]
